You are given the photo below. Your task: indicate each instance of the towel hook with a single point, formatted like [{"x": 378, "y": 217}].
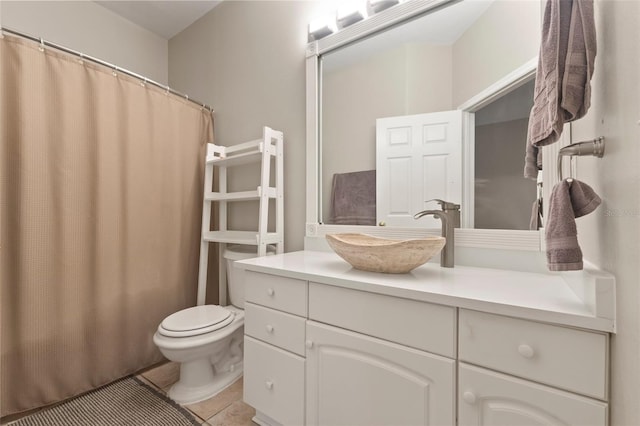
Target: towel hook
[{"x": 593, "y": 148}]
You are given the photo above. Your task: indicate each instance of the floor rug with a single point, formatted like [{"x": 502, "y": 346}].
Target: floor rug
[{"x": 127, "y": 402}]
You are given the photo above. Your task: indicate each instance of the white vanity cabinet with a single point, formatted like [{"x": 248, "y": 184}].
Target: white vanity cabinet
[
  {"x": 274, "y": 364},
  {"x": 535, "y": 373},
  {"x": 355, "y": 378},
  {"x": 328, "y": 345},
  {"x": 354, "y": 358}
]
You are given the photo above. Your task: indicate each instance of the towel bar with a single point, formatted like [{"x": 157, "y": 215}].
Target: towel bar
[{"x": 593, "y": 147}]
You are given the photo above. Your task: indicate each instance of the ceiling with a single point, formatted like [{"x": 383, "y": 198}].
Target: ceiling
[{"x": 164, "y": 18}]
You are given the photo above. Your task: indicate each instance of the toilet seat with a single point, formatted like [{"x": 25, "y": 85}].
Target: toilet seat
[{"x": 195, "y": 321}]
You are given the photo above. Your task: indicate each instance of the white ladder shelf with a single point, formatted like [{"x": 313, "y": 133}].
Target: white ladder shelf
[{"x": 261, "y": 152}]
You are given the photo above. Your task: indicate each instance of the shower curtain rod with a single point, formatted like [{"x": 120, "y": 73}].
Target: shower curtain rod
[{"x": 116, "y": 68}]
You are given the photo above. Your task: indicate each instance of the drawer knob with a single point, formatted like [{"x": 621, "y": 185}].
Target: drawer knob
[
  {"x": 469, "y": 397},
  {"x": 268, "y": 384},
  {"x": 269, "y": 328},
  {"x": 308, "y": 344},
  {"x": 526, "y": 351},
  {"x": 270, "y": 292}
]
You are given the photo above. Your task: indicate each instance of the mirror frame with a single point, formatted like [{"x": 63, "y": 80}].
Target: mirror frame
[{"x": 465, "y": 237}]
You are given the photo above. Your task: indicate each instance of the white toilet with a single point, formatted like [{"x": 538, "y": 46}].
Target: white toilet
[{"x": 207, "y": 340}]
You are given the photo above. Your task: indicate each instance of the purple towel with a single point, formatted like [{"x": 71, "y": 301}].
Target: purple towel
[
  {"x": 569, "y": 200},
  {"x": 565, "y": 66},
  {"x": 353, "y": 198}
]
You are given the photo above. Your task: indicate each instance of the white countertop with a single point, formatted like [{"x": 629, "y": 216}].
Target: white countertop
[{"x": 537, "y": 296}]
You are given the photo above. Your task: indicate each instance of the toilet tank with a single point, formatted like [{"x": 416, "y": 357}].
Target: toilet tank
[{"x": 235, "y": 276}]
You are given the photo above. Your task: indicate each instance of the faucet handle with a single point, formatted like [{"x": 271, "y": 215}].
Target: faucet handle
[{"x": 446, "y": 205}]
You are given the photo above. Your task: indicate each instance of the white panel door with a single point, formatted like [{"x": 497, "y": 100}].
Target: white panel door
[
  {"x": 488, "y": 398},
  {"x": 418, "y": 158},
  {"x": 353, "y": 379}
]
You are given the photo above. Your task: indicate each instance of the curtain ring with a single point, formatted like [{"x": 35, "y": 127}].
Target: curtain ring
[{"x": 41, "y": 48}]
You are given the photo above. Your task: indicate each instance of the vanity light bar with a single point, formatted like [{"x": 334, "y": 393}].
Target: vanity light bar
[
  {"x": 322, "y": 27},
  {"x": 347, "y": 14},
  {"x": 380, "y": 5},
  {"x": 350, "y": 13}
]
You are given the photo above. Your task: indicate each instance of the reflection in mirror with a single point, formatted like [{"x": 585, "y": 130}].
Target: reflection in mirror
[
  {"x": 503, "y": 196},
  {"x": 428, "y": 65}
]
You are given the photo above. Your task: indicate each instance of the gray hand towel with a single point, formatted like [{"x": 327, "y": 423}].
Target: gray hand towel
[
  {"x": 546, "y": 119},
  {"x": 581, "y": 54},
  {"x": 535, "y": 222},
  {"x": 532, "y": 161},
  {"x": 569, "y": 200},
  {"x": 353, "y": 198},
  {"x": 565, "y": 66}
]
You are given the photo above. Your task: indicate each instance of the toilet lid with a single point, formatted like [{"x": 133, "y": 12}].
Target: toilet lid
[{"x": 196, "y": 320}]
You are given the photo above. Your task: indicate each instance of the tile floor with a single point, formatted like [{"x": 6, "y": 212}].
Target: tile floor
[{"x": 226, "y": 408}]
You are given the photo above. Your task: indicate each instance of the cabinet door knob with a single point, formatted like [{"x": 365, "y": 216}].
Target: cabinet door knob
[
  {"x": 308, "y": 344},
  {"x": 270, "y": 292},
  {"x": 269, "y": 328},
  {"x": 526, "y": 351},
  {"x": 469, "y": 397},
  {"x": 268, "y": 384}
]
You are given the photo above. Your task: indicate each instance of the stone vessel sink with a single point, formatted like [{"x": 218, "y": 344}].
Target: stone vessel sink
[{"x": 374, "y": 254}]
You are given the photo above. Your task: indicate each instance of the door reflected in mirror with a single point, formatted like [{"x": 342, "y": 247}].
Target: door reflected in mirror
[{"x": 428, "y": 65}]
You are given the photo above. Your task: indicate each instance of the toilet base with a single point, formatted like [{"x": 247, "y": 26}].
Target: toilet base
[{"x": 197, "y": 381}]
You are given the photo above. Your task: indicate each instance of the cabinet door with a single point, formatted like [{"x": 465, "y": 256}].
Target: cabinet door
[
  {"x": 353, "y": 379},
  {"x": 490, "y": 398}
]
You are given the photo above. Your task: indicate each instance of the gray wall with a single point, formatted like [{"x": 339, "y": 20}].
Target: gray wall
[
  {"x": 503, "y": 197},
  {"x": 247, "y": 60},
  {"x": 410, "y": 79},
  {"x": 225, "y": 58},
  {"x": 511, "y": 28},
  {"x": 420, "y": 78},
  {"x": 89, "y": 28},
  {"x": 610, "y": 236}
]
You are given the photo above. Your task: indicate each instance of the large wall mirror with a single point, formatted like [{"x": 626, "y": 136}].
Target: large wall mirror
[{"x": 457, "y": 77}]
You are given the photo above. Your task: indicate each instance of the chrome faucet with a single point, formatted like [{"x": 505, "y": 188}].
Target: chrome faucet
[{"x": 450, "y": 218}]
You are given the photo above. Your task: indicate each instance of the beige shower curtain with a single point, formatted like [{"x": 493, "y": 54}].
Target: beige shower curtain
[{"x": 101, "y": 198}]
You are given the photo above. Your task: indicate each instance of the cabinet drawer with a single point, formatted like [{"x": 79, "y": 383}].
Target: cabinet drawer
[
  {"x": 277, "y": 328},
  {"x": 490, "y": 398},
  {"x": 274, "y": 382},
  {"x": 412, "y": 323},
  {"x": 567, "y": 358},
  {"x": 283, "y": 294}
]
